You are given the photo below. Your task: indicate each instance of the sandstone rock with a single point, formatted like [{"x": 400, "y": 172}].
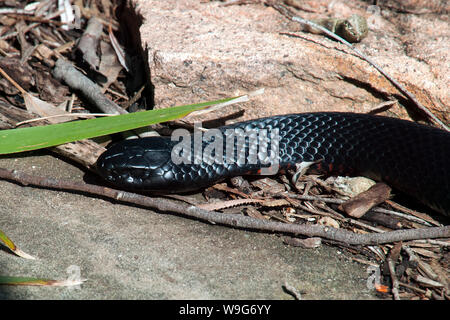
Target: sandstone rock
[{"x": 200, "y": 51}]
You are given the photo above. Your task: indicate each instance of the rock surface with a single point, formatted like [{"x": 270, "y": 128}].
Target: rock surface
[{"x": 203, "y": 50}]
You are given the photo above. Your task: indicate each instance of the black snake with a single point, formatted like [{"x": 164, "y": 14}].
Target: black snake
[{"x": 410, "y": 157}]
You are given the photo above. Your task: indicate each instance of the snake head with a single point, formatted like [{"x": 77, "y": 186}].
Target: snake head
[{"x": 131, "y": 163}]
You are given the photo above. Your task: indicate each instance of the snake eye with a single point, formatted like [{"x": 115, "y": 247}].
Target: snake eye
[{"x": 156, "y": 158}]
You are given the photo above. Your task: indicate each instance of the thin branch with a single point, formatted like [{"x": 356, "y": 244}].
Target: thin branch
[
  {"x": 394, "y": 279},
  {"x": 76, "y": 80},
  {"x": 376, "y": 209},
  {"x": 238, "y": 221},
  {"x": 292, "y": 291},
  {"x": 396, "y": 84},
  {"x": 74, "y": 115},
  {"x": 16, "y": 11}
]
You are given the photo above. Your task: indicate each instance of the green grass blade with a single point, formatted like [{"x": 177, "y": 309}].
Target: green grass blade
[
  {"x": 29, "y": 281},
  {"x": 26, "y": 139},
  {"x": 11, "y": 246},
  {"x": 7, "y": 241},
  {"x": 6, "y": 280}
]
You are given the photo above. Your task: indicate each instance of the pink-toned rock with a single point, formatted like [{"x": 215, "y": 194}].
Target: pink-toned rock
[{"x": 200, "y": 51}]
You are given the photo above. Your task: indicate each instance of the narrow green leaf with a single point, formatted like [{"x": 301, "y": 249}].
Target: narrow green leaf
[
  {"x": 28, "y": 281},
  {"x": 8, "y": 243},
  {"x": 26, "y": 139}
]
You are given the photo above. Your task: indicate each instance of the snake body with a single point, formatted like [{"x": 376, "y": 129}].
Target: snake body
[{"x": 410, "y": 157}]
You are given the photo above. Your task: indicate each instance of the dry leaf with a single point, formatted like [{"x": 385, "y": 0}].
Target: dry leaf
[
  {"x": 120, "y": 54},
  {"x": 328, "y": 221},
  {"x": 44, "y": 109},
  {"x": 109, "y": 66},
  {"x": 227, "y": 204}
]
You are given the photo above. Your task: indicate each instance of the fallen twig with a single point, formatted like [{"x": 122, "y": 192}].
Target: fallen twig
[
  {"x": 76, "y": 80},
  {"x": 393, "y": 256},
  {"x": 74, "y": 115},
  {"x": 391, "y": 265},
  {"x": 292, "y": 291},
  {"x": 238, "y": 221},
  {"x": 376, "y": 209}
]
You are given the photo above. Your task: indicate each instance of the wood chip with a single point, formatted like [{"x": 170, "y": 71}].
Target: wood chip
[
  {"x": 363, "y": 202},
  {"x": 307, "y": 243},
  {"x": 428, "y": 282}
]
